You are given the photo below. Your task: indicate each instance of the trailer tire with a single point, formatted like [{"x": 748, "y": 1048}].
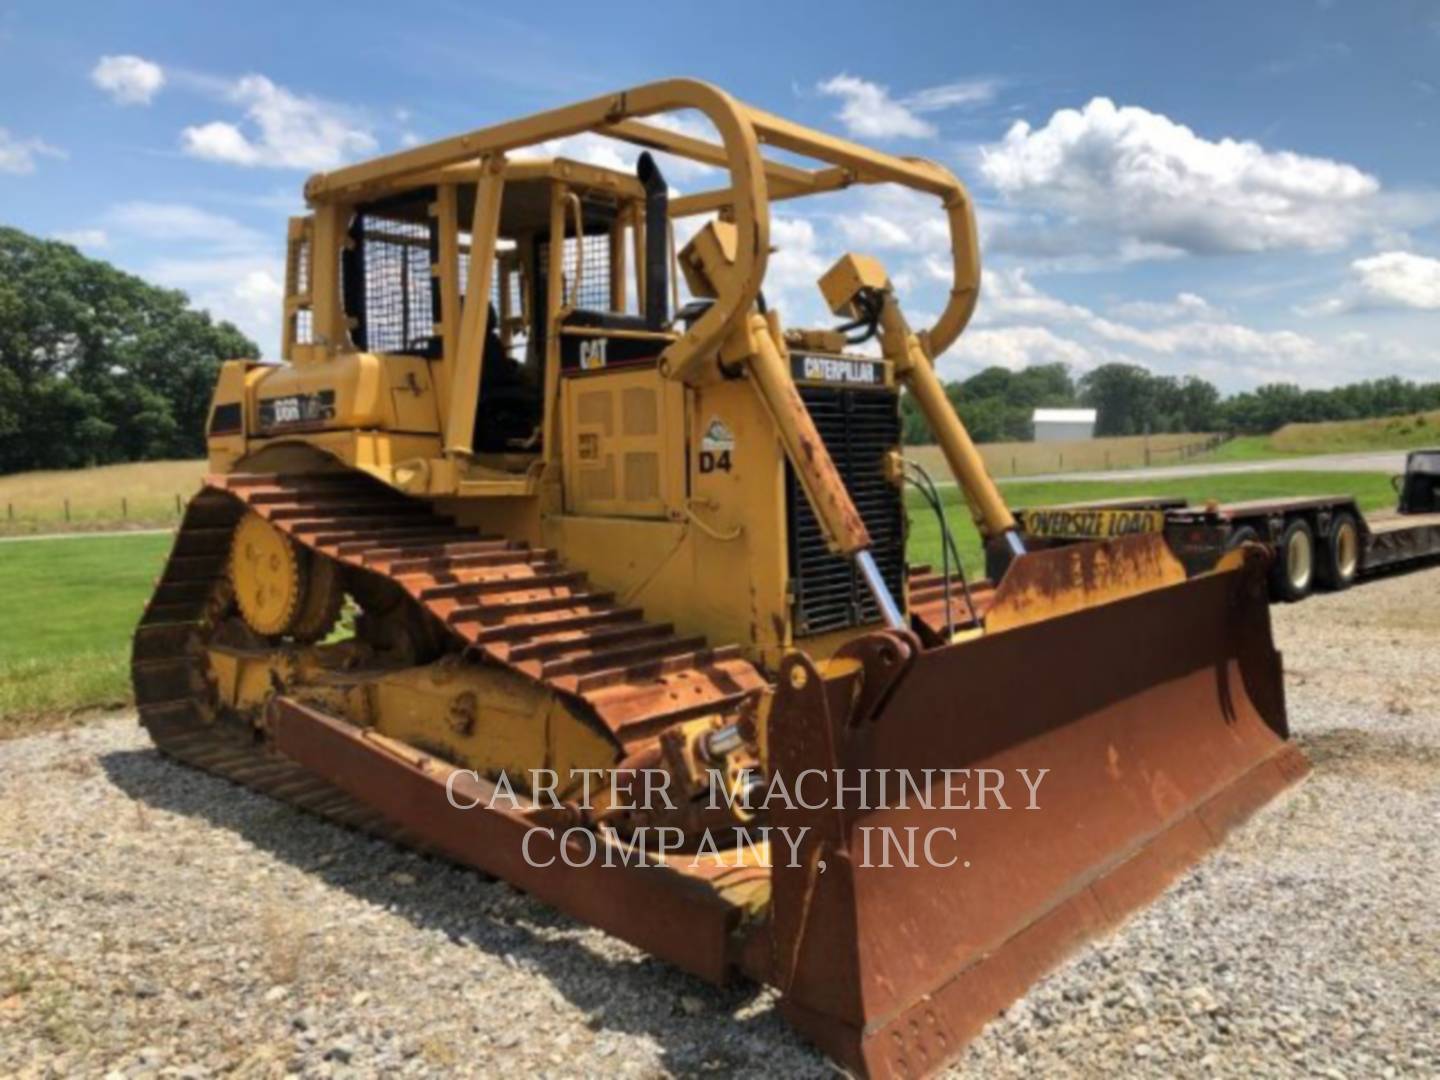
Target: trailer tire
[
  {"x": 1292, "y": 574},
  {"x": 1340, "y": 557}
]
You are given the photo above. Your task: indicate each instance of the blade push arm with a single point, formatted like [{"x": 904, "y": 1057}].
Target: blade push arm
[
  {"x": 858, "y": 281},
  {"x": 757, "y": 344},
  {"x": 840, "y": 521}
]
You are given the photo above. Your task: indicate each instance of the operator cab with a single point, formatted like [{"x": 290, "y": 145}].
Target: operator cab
[{"x": 394, "y": 283}]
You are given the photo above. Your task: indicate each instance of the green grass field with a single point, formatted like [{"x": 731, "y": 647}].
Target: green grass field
[
  {"x": 138, "y": 495},
  {"x": 1343, "y": 436},
  {"x": 70, "y": 607},
  {"x": 1408, "y": 432},
  {"x": 1242, "y": 448},
  {"x": 147, "y": 494},
  {"x": 1371, "y": 490},
  {"x": 71, "y": 604}
]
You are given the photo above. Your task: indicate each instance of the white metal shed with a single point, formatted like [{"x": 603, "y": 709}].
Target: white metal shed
[{"x": 1064, "y": 425}]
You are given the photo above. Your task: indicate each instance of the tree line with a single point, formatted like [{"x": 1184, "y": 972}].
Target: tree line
[
  {"x": 996, "y": 404},
  {"x": 98, "y": 366}
]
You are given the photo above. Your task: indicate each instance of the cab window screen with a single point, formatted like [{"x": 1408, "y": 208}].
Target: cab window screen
[
  {"x": 389, "y": 290},
  {"x": 593, "y": 259}
]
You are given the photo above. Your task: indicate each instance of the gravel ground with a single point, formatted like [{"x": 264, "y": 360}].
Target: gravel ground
[{"x": 156, "y": 921}]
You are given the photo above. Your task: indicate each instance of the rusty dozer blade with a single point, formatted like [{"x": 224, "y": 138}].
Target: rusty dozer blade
[{"x": 1155, "y": 707}]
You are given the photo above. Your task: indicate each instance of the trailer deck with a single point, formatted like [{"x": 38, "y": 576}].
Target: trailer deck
[{"x": 1324, "y": 540}]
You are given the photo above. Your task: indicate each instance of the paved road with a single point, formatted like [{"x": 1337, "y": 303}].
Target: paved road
[{"x": 1390, "y": 461}]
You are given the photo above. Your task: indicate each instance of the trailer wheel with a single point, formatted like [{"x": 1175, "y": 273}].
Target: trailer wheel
[
  {"x": 1340, "y": 559},
  {"x": 1293, "y": 572}
]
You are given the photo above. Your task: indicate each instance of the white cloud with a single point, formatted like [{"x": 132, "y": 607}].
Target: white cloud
[
  {"x": 244, "y": 288},
  {"x": 1018, "y": 324},
  {"x": 794, "y": 270},
  {"x": 869, "y": 111},
  {"x": 282, "y": 130},
  {"x": 953, "y": 95},
  {"x": 180, "y": 223},
  {"x": 84, "y": 238},
  {"x": 1193, "y": 329},
  {"x": 1399, "y": 279},
  {"x": 875, "y": 231},
  {"x": 219, "y": 141},
  {"x": 259, "y": 288},
  {"x": 226, "y": 267},
  {"x": 1392, "y": 279},
  {"x": 894, "y": 219},
  {"x": 1104, "y": 176},
  {"x": 608, "y": 153},
  {"x": 1185, "y": 304},
  {"x": 1015, "y": 347},
  {"x": 18, "y": 155},
  {"x": 129, "y": 80}
]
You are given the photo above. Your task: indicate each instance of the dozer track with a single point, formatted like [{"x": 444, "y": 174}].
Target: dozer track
[{"x": 501, "y": 601}]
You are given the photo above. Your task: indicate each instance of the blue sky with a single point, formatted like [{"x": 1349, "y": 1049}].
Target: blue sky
[{"x": 1244, "y": 191}]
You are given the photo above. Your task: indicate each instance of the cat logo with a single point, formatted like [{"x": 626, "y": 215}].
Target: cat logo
[{"x": 592, "y": 354}]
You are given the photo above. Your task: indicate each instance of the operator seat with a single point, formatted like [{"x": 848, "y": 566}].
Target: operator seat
[{"x": 509, "y": 407}]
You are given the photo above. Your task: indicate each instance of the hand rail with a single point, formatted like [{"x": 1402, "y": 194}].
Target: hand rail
[
  {"x": 754, "y": 183},
  {"x": 748, "y": 197}
]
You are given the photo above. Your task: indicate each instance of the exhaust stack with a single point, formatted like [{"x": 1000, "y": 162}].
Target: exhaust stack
[{"x": 657, "y": 242}]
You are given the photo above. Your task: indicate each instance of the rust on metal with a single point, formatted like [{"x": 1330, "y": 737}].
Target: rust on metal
[
  {"x": 1059, "y": 581},
  {"x": 927, "y": 597},
  {"x": 674, "y": 915},
  {"x": 515, "y": 605},
  {"x": 1161, "y": 723}
]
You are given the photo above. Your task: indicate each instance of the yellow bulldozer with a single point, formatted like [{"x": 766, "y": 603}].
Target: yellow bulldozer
[{"x": 517, "y": 523}]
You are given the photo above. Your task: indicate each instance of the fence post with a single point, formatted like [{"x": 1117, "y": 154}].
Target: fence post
[
  {"x": 1147, "y": 457},
  {"x": 1014, "y": 468},
  {"x": 1061, "y": 467},
  {"x": 10, "y": 510},
  {"x": 177, "y": 506},
  {"x": 124, "y": 508},
  {"x": 1107, "y": 459},
  {"x": 67, "y": 509}
]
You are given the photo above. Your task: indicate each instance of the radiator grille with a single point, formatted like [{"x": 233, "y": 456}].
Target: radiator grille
[{"x": 859, "y": 427}]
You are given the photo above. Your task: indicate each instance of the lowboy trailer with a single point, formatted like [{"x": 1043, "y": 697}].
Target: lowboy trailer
[{"x": 1323, "y": 541}]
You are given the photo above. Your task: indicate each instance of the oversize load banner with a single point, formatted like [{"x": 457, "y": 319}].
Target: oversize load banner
[{"x": 1090, "y": 524}]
